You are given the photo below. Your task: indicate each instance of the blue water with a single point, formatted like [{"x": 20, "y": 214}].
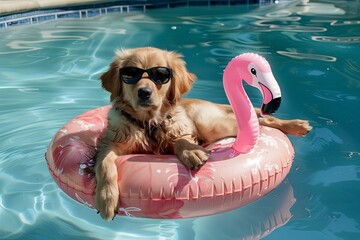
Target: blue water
[{"x": 49, "y": 74}]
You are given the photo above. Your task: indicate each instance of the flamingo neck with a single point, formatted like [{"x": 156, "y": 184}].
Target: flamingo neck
[{"x": 245, "y": 115}]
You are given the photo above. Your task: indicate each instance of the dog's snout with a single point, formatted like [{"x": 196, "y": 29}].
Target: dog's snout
[{"x": 144, "y": 93}]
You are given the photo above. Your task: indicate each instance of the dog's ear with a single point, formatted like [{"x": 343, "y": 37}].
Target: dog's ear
[
  {"x": 110, "y": 79},
  {"x": 181, "y": 81}
]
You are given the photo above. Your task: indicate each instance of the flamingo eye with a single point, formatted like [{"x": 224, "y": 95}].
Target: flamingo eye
[{"x": 253, "y": 71}]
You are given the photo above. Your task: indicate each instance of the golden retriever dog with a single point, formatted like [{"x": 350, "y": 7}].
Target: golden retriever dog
[{"x": 149, "y": 115}]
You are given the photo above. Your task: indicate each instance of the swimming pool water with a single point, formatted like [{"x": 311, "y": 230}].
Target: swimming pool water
[{"x": 49, "y": 74}]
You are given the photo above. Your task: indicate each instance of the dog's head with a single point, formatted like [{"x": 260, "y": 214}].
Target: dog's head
[{"x": 146, "y": 97}]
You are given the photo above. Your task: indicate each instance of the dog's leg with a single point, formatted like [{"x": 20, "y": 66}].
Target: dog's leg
[
  {"x": 296, "y": 127},
  {"x": 107, "y": 191},
  {"x": 192, "y": 155}
]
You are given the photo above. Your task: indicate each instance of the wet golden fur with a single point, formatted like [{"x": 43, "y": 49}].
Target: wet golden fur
[{"x": 165, "y": 124}]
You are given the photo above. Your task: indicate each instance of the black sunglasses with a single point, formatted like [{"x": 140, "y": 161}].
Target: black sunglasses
[{"x": 159, "y": 75}]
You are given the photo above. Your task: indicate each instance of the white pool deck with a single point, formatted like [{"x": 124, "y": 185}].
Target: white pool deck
[{"x": 16, "y": 6}]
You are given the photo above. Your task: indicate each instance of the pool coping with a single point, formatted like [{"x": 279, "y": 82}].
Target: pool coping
[
  {"x": 11, "y": 7},
  {"x": 25, "y": 12},
  {"x": 16, "y": 6}
]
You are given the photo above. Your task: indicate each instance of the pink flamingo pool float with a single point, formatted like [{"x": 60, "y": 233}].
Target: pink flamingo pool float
[{"x": 238, "y": 172}]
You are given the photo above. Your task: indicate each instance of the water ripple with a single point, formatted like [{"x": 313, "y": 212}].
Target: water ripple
[
  {"x": 270, "y": 25},
  {"x": 335, "y": 175},
  {"x": 335, "y": 96},
  {"x": 323, "y": 137},
  {"x": 338, "y": 22},
  {"x": 355, "y": 39},
  {"x": 298, "y": 55},
  {"x": 62, "y": 33},
  {"x": 354, "y": 155}
]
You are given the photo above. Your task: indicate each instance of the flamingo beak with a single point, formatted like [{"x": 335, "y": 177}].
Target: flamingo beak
[
  {"x": 271, "y": 94},
  {"x": 271, "y": 107}
]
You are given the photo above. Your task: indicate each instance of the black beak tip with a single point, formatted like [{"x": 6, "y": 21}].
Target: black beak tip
[{"x": 271, "y": 107}]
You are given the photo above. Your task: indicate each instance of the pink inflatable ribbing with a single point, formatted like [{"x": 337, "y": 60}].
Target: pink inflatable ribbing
[{"x": 238, "y": 172}]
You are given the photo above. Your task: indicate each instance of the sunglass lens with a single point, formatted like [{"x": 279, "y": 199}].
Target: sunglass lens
[
  {"x": 130, "y": 75},
  {"x": 160, "y": 74}
]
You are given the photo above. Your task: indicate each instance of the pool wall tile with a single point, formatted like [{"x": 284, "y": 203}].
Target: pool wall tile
[{"x": 96, "y": 9}]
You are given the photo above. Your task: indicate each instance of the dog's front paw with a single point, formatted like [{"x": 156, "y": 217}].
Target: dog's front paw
[
  {"x": 106, "y": 200},
  {"x": 195, "y": 158},
  {"x": 297, "y": 127}
]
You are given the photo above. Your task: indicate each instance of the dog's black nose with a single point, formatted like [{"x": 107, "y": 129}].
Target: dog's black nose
[{"x": 144, "y": 93}]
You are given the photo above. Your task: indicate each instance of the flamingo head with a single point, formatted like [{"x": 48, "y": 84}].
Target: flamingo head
[{"x": 257, "y": 73}]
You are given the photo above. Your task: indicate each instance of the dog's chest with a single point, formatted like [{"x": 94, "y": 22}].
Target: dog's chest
[
  {"x": 153, "y": 139},
  {"x": 137, "y": 137}
]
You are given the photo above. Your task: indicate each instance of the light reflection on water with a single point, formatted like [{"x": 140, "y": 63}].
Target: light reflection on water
[
  {"x": 49, "y": 74},
  {"x": 301, "y": 56}
]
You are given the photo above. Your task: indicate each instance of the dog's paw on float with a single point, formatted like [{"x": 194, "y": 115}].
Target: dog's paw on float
[
  {"x": 107, "y": 201},
  {"x": 194, "y": 158},
  {"x": 192, "y": 155},
  {"x": 296, "y": 127}
]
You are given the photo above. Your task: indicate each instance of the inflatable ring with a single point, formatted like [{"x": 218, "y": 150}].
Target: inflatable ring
[{"x": 238, "y": 171}]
